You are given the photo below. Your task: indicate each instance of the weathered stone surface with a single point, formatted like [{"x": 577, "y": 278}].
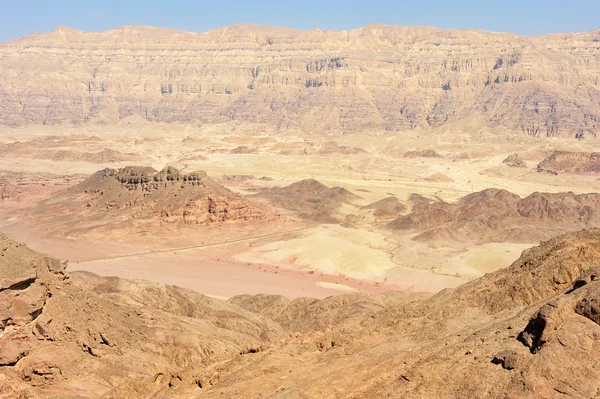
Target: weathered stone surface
[
  {"x": 11, "y": 352},
  {"x": 514, "y": 161},
  {"x": 508, "y": 359}
]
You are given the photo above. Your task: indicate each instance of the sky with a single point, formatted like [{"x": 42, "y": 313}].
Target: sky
[{"x": 526, "y": 17}]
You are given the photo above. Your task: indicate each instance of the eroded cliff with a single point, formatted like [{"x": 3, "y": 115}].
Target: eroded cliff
[{"x": 375, "y": 77}]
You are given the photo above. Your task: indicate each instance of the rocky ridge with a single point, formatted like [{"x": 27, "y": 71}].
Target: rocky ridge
[
  {"x": 570, "y": 162},
  {"x": 495, "y": 215},
  {"x": 376, "y": 77}
]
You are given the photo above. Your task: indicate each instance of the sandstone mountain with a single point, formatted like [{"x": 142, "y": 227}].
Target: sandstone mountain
[
  {"x": 375, "y": 77},
  {"x": 528, "y": 331},
  {"x": 571, "y": 162},
  {"x": 494, "y": 215},
  {"x": 136, "y": 194}
]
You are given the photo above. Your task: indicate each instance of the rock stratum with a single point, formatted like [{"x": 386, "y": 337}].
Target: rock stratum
[
  {"x": 375, "y": 77},
  {"x": 528, "y": 331}
]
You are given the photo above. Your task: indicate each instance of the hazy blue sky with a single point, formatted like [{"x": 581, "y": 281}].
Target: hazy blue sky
[{"x": 528, "y": 17}]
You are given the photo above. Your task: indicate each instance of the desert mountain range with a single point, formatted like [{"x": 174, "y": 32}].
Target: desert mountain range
[{"x": 376, "y": 77}]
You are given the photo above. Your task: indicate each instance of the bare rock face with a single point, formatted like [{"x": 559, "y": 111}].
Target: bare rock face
[
  {"x": 546, "y": 324},
  {"x": 23, "y": 290},
  {"x": 508, "y": 359},
  {"x": 11, "y": 352},
  {"x": 571, "y": 162},
  {"x": 384, "y": 77}
]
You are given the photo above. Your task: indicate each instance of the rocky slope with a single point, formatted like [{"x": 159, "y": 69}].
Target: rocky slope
[
  {"x": 498, "y": 215},
  {"x": 570, "y": 162},
  {"x": 528, "y": 331},
  {"x": 375, "y": 77},
  {"x": 115, "y": 337}
]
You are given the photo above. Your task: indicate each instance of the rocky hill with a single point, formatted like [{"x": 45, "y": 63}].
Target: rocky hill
[
  {"x": 498, "y": 215},
  {"x": 310, "y": 199},
  {"x": 375, "y": 77},
  {"x": 143, "y": 193},
  {"x": 514, "y": 161},
  {"x": 571, "y": 162},
  {"x": 386, "y": 208},
  {"x": 529, "y": 331}
]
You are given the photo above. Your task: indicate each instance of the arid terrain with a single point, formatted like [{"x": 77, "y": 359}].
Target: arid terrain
[
  {"x": 530, "y": 330},
  {"x": 261, "y": 212}
]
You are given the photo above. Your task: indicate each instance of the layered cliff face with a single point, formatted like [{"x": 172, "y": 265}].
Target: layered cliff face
[{"x": 376, "y": 77}]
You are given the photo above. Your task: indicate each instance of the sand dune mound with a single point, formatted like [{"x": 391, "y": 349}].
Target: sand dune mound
[
  {"x": 144, "y": 193},
  {"x": 498, "y": 215},
  {"x": 514, "y": 161},
  {"x": 386, "y": 208},
  {"x": 524, "y": 331},
  {"x": 571, "y": 162},
  {"x": 311, "y": 199}
]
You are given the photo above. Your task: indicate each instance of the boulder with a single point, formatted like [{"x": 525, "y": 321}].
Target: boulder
[{"x": 11, "y": 352}]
